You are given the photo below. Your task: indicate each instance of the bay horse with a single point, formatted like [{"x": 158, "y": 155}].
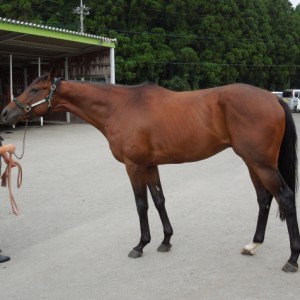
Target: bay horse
[{"x": 147, "y": 125}]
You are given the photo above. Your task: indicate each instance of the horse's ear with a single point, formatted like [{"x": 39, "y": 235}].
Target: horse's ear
[{"x": 51, "y": 74}]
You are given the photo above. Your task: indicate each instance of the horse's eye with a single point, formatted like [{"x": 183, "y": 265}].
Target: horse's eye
[{"x": 34, "y": 90}]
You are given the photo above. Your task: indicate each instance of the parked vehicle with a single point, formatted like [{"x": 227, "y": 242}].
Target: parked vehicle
[
  {"x": 279, "y": 94},
  {"x": 292, "y": 98}
]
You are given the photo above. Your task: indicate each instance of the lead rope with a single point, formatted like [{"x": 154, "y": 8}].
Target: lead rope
[
  {"x": 6, "y": 180},
  {"x": 6, "y": 176},
  {"x": 23, "y": 146}
]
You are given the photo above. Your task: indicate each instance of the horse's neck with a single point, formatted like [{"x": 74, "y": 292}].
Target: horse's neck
[{"x": 91, "y": 104}]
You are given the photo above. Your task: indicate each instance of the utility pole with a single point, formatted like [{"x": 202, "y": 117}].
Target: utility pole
[{"x": 83, "y": 11}]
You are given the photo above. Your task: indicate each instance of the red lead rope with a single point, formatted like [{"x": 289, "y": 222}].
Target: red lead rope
[{"x": 6, "y": 179}]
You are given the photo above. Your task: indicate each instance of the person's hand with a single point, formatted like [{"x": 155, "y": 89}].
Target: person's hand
[{"x": 7, "y": 159}]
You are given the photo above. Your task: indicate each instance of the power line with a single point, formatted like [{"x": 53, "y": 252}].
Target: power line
[
  {"x": 217, "y": 64},
  {"x": 187, "y": 35}
]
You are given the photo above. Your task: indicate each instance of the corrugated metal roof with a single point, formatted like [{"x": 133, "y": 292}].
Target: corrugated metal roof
[
  {"x": 25, "y": 40},
  {"x": 45, "y": 28}
]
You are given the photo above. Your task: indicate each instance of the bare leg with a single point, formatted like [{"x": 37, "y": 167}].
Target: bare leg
[
  {"x": 138, "y": 178},
  {"x": 156, "y": 191}
]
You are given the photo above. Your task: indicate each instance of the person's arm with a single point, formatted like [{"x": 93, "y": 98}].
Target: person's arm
[
  {"x": 10, "y": 148},
  {"x": 4, "y": 152}
]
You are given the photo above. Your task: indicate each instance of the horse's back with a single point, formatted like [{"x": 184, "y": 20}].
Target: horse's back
[{"x": 162, "y": 126}]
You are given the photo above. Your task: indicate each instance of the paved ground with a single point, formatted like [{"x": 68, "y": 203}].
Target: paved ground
[{"x": 78, "y": 222}]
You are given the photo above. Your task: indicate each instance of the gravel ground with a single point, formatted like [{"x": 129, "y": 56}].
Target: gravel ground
[{"x": 78, "y": 222}]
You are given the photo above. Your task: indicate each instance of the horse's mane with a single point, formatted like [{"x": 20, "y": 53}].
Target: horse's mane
[
  {"x": 45, "y": 77},
  {"x": 113, "y": 84}
]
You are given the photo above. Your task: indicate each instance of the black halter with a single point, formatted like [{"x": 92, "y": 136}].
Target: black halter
[{"x": 48, "y": 99}]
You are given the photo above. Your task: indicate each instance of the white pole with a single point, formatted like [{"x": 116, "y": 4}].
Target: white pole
[
  {"x": 68, "y": 116},
  {"x": 112, "y": 66},
  {"x": 39, "y": 66},
  {"x": 39, "y": 74},
  {"x": 10, "y": 78}
]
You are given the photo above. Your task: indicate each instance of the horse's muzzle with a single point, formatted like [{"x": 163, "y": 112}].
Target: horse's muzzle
[{"x": 10, "y": 117}]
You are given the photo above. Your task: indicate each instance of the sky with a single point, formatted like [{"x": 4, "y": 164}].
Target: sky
[{"x": 295, "y": 2}]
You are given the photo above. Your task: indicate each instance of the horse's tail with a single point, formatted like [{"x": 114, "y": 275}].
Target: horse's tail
[{"x": 288, "y": 161}]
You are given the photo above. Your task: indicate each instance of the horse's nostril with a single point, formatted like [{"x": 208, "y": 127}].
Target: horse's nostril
[{"x": 3, "y": 116}]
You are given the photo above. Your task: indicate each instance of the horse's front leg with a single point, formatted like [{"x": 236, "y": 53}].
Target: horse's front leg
[
  {"x": 156, "y": 191},
  {"x": 138, "y": 178}
]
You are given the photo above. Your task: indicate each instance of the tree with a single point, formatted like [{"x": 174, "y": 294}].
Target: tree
[{"x": 200, "y": 43}]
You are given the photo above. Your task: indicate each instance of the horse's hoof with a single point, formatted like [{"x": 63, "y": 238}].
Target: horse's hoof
[
  {"x": 250, "y": 249},
  {"x": 289, "y": 268},
  {"x": 135, "y": 254},
  {"x": 164, "y": 248},
  {"x": 246, "y": 251},
  {"x": 4, "y": 258}
]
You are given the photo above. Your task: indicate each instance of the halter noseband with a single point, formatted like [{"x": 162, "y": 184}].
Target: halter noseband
[{"x": 48, "y": 99}]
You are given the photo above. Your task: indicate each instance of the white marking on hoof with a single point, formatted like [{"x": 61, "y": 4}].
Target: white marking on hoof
[{"x": 250, "y": 249}]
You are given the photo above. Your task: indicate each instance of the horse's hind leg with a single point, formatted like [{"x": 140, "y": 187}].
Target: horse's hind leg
[
  {"x": 288, "y": 212},
  {"x": 273, "y": 181},
  {"x": 264, "y": 199},
  {"x": 156, "y": 191}
]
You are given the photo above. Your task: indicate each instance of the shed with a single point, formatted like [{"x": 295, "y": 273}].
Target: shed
[{"x": 27, "y": 50}]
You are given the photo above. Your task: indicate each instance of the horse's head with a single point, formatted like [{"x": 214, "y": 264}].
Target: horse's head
[{"x": 35, "y": 101}]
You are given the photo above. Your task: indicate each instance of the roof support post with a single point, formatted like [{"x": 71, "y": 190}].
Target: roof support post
[
  {"x": 39, "y": 74},
  {"x": 39, "y": 66},
  {"x": 10, "y": 78},
  {"x": 25, "y": 78},
  {"x": 112, "y": 66},
  {"x": 68, "y": 116}
]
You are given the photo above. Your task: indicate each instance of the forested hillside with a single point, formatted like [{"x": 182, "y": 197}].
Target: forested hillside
[{"x": 186, "y": 44}]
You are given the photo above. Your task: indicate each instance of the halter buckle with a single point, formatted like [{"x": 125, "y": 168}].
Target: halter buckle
[{"x": 27, "y": 109}]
